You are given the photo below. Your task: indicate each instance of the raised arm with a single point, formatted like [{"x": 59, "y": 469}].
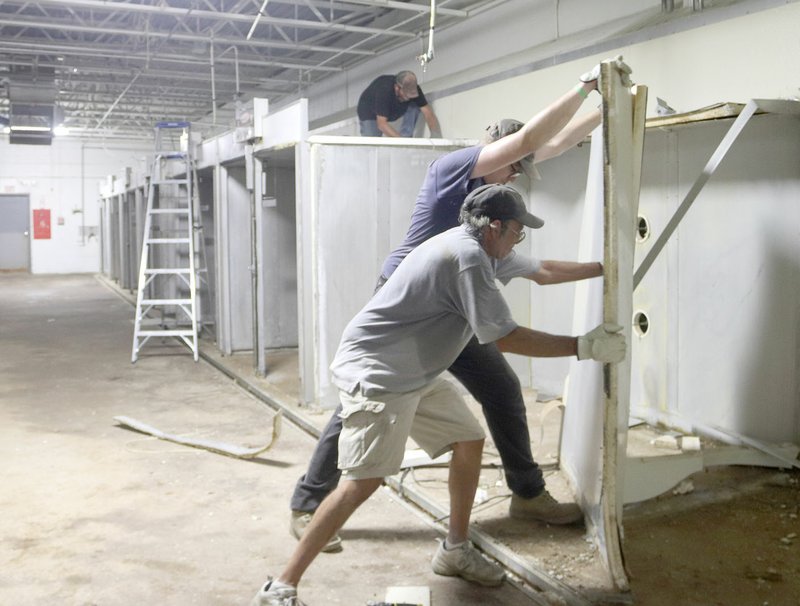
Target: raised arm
[
  {"x": 573, "y": 133},
  {"x": 536, "y": 132},
  {"x": 542, "y": 135}
]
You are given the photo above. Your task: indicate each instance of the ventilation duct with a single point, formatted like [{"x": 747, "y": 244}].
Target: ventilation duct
[
  {"x": 32, "y": 94},
  {"x": 31, "y": 124}
]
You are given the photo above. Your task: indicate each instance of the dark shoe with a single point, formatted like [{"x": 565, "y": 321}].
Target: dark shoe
[
  {"x": 301, "y": 519},
  {"x": 544, "y": 508}
]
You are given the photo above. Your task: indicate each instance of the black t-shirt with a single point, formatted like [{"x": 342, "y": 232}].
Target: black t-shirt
[{"x": 378, "y": 99}]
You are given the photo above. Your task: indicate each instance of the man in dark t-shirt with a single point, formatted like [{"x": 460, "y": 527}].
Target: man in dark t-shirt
[{"x": 389, "y": 98}]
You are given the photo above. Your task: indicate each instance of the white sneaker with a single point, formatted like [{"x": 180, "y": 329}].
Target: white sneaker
[
  {"x": 270, "y": 596},
  {"x": 467, "y": 563}
]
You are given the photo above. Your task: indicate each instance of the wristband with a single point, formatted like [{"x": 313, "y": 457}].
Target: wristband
[{"x": 581, "y": 92}]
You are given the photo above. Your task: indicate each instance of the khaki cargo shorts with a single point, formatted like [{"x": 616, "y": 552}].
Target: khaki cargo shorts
[{"x": 375, "y": 428}]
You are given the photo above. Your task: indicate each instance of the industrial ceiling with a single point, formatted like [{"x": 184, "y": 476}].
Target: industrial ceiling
[{"x": 115, "y": 68}]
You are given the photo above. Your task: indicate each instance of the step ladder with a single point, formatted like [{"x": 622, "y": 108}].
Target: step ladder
[{"x": 166, "y": 298}]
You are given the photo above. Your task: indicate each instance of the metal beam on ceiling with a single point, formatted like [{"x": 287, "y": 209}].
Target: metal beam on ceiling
[{"x": 113, "y": 59}]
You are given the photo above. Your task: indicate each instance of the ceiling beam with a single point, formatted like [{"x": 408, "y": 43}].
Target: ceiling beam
[
  {"x": 37, "y": 48},
  {"x": 162, "y": 9},
  {"x": 64, "y": 26}
]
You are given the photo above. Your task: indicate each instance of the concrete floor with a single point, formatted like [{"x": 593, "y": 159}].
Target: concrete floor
[{"x": 94, "y": 514}]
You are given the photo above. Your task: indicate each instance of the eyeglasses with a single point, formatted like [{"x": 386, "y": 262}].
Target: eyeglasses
[{"x": 520, "y": 234}]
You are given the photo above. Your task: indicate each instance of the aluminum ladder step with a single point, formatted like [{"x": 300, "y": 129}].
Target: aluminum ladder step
[
  {"x": 170, "y": 211},
  {"x": 166, "y": 301},
  {"x": 166, "y": 271},
  {"x": 168, "y": 240},
  {"x": 166, "y": 333}
]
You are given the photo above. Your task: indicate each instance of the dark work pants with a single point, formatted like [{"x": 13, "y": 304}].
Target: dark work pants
[{"x": 486, "y": 374}]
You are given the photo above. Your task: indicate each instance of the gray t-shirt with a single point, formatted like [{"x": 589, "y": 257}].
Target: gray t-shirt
[{"x": 415, "y": 327}]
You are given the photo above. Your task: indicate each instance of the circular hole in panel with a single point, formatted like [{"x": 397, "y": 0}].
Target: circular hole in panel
[
  {"x": 641, "y": 323},
  {"x": 642, "y": 229}
]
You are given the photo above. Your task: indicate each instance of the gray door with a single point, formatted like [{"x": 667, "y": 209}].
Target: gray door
[{"x": 15, "y": 246}]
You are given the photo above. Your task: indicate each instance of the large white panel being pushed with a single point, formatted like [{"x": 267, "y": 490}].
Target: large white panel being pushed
[
  {"x": 583, "y": 414},
  {"x": 598, "y": 396}
]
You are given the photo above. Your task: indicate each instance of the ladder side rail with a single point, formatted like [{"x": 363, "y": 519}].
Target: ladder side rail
[
  {"x": 143, "y": 281},
  {"x": 190, "y": 181}
]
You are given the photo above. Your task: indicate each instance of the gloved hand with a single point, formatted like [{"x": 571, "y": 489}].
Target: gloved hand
[
  {"x": 605, "y": 343},
  {"x": 622, "y": 67}
]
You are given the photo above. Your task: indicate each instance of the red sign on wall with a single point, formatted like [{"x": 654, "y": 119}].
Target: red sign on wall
[{"x": 41, "y": 224}]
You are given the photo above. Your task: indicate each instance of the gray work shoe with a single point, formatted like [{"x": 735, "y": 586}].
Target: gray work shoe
[
  {"x": 467, "y": 563},
  {"x": 269, "y": 596},
  {"x": 301, "y": 519},
  {"x": 544, "y": 508}
]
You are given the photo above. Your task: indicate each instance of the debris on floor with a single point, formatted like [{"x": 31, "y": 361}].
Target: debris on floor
[
  {"x": 231, "y": 450},
  {"x": 405, "y": 596},
  {"x": 684, "y": 487}
]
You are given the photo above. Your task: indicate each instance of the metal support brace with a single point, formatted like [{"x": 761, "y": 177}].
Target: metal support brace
[{"x": 727, "y": 141}]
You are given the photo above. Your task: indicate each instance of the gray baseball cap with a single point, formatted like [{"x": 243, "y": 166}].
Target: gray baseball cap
[
  {"x": 499, "y": 202},
  {"x": 507, "y": 126}
]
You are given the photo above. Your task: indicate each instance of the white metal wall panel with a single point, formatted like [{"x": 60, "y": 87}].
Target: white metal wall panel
[
  {"x": 234, "y": 262},
  {"x": 730, "y": 317},
  {"x": 361, "y": 197},
  {"x": 278, "y": 265}
]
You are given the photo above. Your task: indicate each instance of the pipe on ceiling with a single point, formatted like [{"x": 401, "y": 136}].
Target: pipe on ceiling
[{"x": 427, "y": 56}]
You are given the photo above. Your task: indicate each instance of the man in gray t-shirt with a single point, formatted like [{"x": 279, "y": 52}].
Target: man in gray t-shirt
[
  {"x": 417, "y": 324},
  {"x": 388, "y": 364}
]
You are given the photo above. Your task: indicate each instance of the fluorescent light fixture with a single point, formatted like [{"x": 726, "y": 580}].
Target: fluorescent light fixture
[{"x": 31, "y": 128}]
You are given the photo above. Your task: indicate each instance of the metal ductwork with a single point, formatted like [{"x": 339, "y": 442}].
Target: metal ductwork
[{"x": 32, "y": 111}]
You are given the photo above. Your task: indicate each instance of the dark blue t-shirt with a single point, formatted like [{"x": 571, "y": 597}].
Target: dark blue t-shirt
[
  {"x": 378, "y": 99},
  {"x": 439, "y": 201}
]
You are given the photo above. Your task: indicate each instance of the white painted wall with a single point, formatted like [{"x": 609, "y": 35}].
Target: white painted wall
[
  {"x": 514, "y": 59},
  {"x": 65, "y": 178}
]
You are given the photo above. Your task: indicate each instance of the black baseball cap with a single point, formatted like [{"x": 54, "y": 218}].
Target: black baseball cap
[{"x": 499, "y": 202}]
